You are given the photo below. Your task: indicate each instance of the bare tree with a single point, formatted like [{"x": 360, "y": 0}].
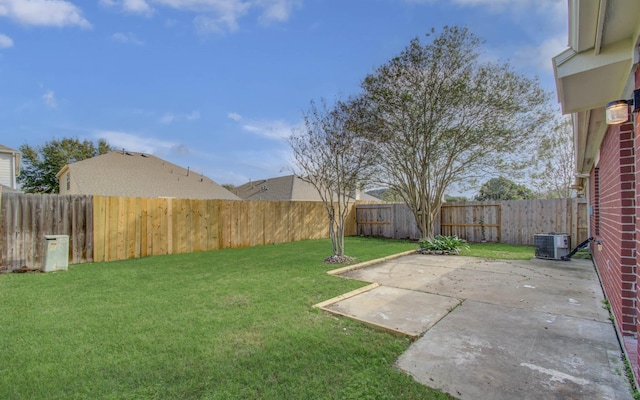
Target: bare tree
[
  {"x": 554, "y": 161},
  {"x": 332, "y": 154},
  {"x": 444, "y": 116}
]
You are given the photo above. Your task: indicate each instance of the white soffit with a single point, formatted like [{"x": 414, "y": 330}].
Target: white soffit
[
  {"x": 586, "y": 80},
  {"x": 603, "y": 40}
]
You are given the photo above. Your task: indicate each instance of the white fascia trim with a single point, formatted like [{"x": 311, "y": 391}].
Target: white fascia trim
[
  {"x": 571, "y": 64},
  {"x": 574, "y": 24},
  {"x": 557, "y": 62}
]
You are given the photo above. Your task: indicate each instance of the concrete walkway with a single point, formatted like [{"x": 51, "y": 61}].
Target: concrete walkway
[{"x": 495, "y": 329}]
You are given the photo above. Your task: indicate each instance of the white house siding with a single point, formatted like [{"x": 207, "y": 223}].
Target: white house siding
[{"x": 6, "y": 170}]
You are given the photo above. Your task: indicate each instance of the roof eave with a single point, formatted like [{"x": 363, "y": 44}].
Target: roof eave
[
  {"x": 588, "y": 80},
  {"x": 62, "y": 171}
]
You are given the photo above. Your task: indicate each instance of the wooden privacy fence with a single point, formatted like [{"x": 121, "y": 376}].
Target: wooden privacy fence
[
  {"x": 553, "y": 215},
  {"x": 515, "y": 221},
  {"x": 117, "y": 228},
  {"x": 511, "y": 221},
  {"x": 390, "y": 220},
  {"x": 136, "y": 227},
  {"x": 472, "y": 221},
  {"x": 25, "y": 219}
]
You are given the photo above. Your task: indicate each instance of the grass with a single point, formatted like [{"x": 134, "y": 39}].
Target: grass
[
  {"x": 499, "y": 251},
  {"x": 227, "y": 324}
]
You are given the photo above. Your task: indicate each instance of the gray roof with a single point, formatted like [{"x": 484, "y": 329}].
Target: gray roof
[
  {"x": 288, "y": 187},
  {"x": 129, "y": 174},
  {"x": 5, "y": 149}
]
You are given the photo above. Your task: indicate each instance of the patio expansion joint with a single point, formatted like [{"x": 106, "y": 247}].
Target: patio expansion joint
[{"x": 333, "y": 300}]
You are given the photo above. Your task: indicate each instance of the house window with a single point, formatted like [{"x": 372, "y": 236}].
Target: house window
[
  {"x": 68, "y": 181},
  {"x": 596, "y": 201}
]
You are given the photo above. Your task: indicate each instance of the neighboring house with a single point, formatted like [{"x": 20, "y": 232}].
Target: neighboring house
[
  {"x": 601, "y": 66},
  {"x": 128, "y": 174},
  {"x": 9, "y": 168},
  {"x": 284, "y": 188}
]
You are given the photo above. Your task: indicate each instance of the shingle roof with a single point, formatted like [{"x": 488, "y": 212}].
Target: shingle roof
[
  {"x": 5, "y": 149},
  {"x": 282, "y": 188},
  {"x": 128, "y": 174},
  {"x": 288, "y": 187}
]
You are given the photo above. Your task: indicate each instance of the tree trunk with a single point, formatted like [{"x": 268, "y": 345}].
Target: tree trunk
[
  {"x": 426, "y": 220},
  {"x": 340, "y": 238}
]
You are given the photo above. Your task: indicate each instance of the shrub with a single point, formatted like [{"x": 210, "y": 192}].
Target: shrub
[{"x": 451, "y": 244}]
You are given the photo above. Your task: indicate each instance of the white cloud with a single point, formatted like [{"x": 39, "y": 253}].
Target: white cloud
[
  {"x": 503, "y": 5},
  {"x": 274, "y": 129},
  {"x": 194, "y": 115},
  {"x": 277, "y": 129},
  {"x": 133, "y": 142},
  {"x": 213, "y": 16},
  {"x": 167, "y": 118},
  {"x": 221, "y": 7},
  {"x": 181, "y": 150},
  {"x": 219, "y": 25},
  {"x": 127, "y": 38},
  {"x": 139, "y": 7},
  {"x": 277, "y": 10},
  {"x": 540, "y": 56},
  {"x": 49, "y": 99},
  {"x": 5, "y": 41},
  {"x": 234, "y": 116},
  {"x": 554, "y": 11},
  {"x": 57, "y": 13},
  {"x": 269, "y": 163},
  {"x": 171, "y": 117}
]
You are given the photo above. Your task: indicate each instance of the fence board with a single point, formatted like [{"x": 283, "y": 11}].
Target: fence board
[
  {"x": 110, "y": 228},
  {"x": 517, "y": 221},
  {"x": 391, "y": 220},
  {"x": 514, "y": 221},
  {"x": 178, "y": 225},
  {"x": 25, "y": 219}
]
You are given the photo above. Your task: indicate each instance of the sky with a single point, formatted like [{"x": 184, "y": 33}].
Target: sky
[{"x": 218, "y": 85}]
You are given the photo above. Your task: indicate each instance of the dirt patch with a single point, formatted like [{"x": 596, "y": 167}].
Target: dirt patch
[
  {"x": 338, "y": 259},
  {"x": 21, "y": 270}
]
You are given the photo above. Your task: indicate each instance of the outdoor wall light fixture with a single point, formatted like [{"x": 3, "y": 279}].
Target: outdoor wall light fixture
[{"x": 617, "y": 112}]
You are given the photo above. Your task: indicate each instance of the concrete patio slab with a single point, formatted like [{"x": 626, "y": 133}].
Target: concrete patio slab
[
  {"x": 399, "y": 310},
  {"x": 561, "y": 287},
  {"x": 525, "y": 329},
  {"x": 485, "y": 351}
]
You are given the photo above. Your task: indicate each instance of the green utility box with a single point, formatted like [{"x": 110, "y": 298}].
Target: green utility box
[{"x": 56, "y": 257}]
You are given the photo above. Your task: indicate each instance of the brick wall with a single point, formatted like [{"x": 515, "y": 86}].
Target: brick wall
[
  {"x": 637, "y": 151},
  {"x": 613, "y": 198}
]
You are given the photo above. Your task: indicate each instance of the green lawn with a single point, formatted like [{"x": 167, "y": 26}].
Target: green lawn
[
  {"x": 499, "y": 251},
  {"x": 228, "y": 324}
]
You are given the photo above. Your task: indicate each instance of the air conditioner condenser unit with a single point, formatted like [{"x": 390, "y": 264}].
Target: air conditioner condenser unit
[{"x": 552, "y": 246}]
